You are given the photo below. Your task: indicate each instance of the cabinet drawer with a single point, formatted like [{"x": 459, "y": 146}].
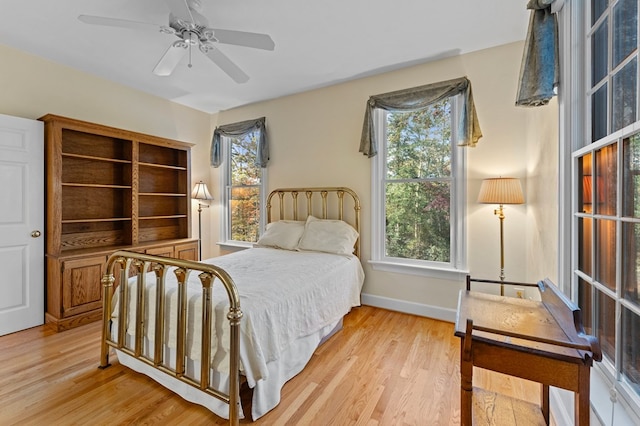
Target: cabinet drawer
[{"x": 166, "y": 251}]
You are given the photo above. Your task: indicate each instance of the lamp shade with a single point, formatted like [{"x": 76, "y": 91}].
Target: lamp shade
[
  {"x": 201, "y": 192},
  {"x": 501, "y": 191}
]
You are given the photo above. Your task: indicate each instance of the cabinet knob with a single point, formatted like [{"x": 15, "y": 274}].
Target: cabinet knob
[{"x": 36, "y": 234}]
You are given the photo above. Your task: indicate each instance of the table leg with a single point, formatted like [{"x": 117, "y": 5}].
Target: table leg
[
  {"x": 581, "y": 398},
  {"x": 544, "y": 402},
  {"x": 466, "y": 378}
]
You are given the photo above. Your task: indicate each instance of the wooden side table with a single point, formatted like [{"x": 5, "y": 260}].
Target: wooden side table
[{"x": 542, "y": 341}]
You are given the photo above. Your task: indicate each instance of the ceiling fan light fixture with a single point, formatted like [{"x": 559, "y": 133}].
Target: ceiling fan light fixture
[{"x": 190, "y": 37}]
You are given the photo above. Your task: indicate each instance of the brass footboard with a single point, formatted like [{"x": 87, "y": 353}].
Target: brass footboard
[{"x": 160, "y": 265}]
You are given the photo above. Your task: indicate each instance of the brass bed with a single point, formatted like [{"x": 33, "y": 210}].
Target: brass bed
[{"x": 134, "y": 285}]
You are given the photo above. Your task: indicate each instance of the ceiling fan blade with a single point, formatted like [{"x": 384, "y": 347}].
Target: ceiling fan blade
[
  {"x": 122, "y": 23},
  {"x": 181, "y": 10},
  {"x": 171, "y": 58},
  {"x": 243, "y": 38},
  {"x": 225, "y": 64}
]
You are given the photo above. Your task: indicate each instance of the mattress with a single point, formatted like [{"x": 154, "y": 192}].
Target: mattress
[{"x": 290, "y": 301}]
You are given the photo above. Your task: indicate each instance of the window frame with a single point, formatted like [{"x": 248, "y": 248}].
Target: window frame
[
  {"x": 456, "y": 268},
  {"x": 608, "y": 390},
  {"x": 225, "y": 202}
]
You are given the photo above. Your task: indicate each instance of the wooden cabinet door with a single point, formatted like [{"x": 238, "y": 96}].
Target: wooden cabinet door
[
  {"x": 188, "y": 251},
  {"x": 81, "y": 285}
]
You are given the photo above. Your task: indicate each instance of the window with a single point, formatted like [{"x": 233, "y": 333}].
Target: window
[
  {"x": 243, "y": 190},
  {"x": 418, "y": 190},
  {"x": 606, "y": 189}
]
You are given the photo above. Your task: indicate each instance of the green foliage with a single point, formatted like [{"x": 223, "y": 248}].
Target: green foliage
[
  {"x": 245, "y": 191},
  {"x": 418, "y": 184},
  {"x": 245, "y": 214},
  {"x": 243, "y": 161}
]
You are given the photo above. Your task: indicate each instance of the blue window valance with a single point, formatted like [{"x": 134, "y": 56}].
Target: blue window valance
[
  {"x": 420, "y": 97},
  {"x": 240, "y": 129}
]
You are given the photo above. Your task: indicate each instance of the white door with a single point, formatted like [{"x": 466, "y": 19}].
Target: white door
[{"x": 21, "y": 224}]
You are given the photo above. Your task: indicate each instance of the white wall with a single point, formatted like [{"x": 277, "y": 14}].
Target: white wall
[{"x": 314, "y": 141}]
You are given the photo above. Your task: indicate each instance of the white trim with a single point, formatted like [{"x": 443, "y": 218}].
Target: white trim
[
  {"x": 419, "y": 269},
  {"x": 234, "y": 245},
  {"x": 458, "y": 251},
  {"x": 430, "y": 311},
  {"x": 561, "y": 406},
  {"x": 603, "y": 411},
  {"x": 604, "y": 408},
  {"x": 570, "y": 66},
  {"x": 225, "y": 219},
  {"x": 575, "y": 141}
]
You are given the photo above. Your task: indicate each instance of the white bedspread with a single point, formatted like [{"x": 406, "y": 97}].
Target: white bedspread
[{"x": 285, "y": 296}]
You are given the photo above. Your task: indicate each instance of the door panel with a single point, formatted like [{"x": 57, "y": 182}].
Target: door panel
[{"x": 21, "y": 215}]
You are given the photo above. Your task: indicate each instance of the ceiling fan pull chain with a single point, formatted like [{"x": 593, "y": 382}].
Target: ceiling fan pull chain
[{"x": 190, "y": 44}]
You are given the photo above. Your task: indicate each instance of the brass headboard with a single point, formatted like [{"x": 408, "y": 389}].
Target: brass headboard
[{"x": 331, "y": 206}]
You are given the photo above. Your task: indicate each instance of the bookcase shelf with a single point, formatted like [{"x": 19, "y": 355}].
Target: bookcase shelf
[{"x": 108, "y": 189}]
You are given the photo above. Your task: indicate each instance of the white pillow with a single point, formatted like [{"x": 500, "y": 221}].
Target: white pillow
[
  {"x": 331, "y": 236},
  {"x": 283, "y": 234}
]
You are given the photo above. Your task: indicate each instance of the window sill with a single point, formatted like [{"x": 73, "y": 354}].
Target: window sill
[
  {"x": 602, "y": 405},
  {"x": 234, "y": 245},
  {"x": 424, "y": 271}
]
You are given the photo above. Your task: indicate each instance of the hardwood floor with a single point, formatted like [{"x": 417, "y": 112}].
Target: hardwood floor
[{"x": 383, "y": 368}]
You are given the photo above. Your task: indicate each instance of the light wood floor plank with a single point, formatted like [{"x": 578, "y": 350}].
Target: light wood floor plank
[{"x": 383, "y": 368}]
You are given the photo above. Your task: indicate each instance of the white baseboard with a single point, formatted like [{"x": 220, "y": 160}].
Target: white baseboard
[
  {"x": 561, "y": 406},
  {"x": 430, "y": 311}
]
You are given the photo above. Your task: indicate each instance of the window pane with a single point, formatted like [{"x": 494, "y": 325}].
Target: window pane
[
  {"x": 624, "y": 96},
  {"x": 245, "y": 214},
  {"x": 605, "y": 185},
  {"x": 631, "y": 349},
  {"x": 597, "y": 8},
  {"x": 585, "y": 244},
  {"x": 625, "y": 33},
  {"x": 631, "y": 177},
  {"x": 599, "y": 52},
  {"x": 606, "y": 322},
  {"x": 419, "y": 143},
  {"x": 243, "y": 160},
  {"x": 585, "y": 304},
  {"x": 631, "y": 261},
  {"x": 418, "y": 221},
  {"x": 585, "y": 198},
  {"x": 599, "y": 114},
  {"x": 606, "y": 253}
]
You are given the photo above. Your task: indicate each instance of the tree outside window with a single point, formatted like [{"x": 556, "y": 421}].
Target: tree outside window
[
  {"x": 418, "y": 184},
  {"x": 244, "y": 189}
]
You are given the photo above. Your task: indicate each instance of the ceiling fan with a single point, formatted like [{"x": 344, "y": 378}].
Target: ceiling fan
[{"x": 192, "y": 29}]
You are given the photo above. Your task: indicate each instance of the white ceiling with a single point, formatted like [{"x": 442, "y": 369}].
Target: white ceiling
[{"x": 318, "y": 43}]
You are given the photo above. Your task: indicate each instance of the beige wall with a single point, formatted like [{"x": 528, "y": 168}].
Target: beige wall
[
  {"x": 31, "y": 87},
  {"x": 314, "y": 141}
]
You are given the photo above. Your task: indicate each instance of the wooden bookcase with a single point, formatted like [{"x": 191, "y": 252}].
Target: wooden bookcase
[{"x": 108, "y": 189}]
